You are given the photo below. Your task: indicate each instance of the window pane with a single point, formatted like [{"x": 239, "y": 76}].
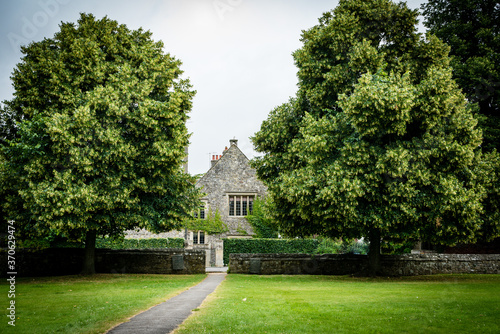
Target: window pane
[
  {"x": 195, "y": 237},
  {"x": 202, "y": 237},
  {"x": 231, "y": 205},
  {"x": 202, "y": 212},
  {"x": 238, "y": 206},
  {"x": 244, "y": 204}
]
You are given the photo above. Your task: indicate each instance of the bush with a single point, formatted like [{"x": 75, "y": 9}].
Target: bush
[
  {"x": 329, "y": 246},
  {"x": 122, "y": 243},
  {"x": 339, "y": 246},
  {"x": 255, "y": 246},
  {"x": 140, "y": 243},
  {"x": 397, "y": 247}
]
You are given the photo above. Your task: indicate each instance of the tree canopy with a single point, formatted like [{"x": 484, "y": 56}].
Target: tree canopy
[
  {"x": 379, "y": 141},
  {"x": 101, "y": 137},
  {"x": 471, "y": 29}
]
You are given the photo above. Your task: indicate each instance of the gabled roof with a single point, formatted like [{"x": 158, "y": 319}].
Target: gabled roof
[
  {"x": 231, "y": 173},
  {"x": 230, "y": 153}
]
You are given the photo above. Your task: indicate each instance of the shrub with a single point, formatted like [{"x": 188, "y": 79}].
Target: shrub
[
  {"x": 329, "y": 246},
  {"x": 140, "y": 243},
  {"x": 122, "y": 243},
  {"x": 255, "y": 246},
  {"x": 397, "y": 246},
  {"x": 339, "y": 246}
]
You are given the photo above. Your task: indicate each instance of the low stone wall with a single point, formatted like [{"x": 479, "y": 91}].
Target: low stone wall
[
  {"x": 68, "y": 261},
  {"x": 141, "y": 261},
  {"x": 346, "y": 264}
]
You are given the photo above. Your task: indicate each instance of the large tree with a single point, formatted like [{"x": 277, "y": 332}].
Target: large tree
[
  {"x": 379, "y": 141},
  {"x": 471, "y": 28},
  {"x": 101, "y": 142}
]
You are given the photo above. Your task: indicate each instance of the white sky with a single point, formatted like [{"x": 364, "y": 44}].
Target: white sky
[{"x": 236, "y": 53}]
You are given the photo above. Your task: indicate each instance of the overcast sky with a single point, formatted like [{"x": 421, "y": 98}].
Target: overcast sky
[{"x": 236, "y": 53}]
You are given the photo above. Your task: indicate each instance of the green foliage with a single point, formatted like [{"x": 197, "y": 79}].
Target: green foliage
[
  {"x": 8, "y": 120},
  {"x": 261, "y": 221},
  {"x": 102, "y": 136},
  {"x": 232, "y": 246},
  {"x": 140, "y": 243},
  {"x": 339, "y": 246},
  {"x": 379, "y": 141},
  {"x": 329, "y": 246},
  {"x": 470, "y": 28},
  {"x": 212, "y": 224},
  {"x": 105, "y": 242},
  {"x": 397, "y": 247}
]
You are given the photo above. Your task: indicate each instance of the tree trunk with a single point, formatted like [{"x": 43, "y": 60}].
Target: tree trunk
[
  {"x": 374, "y": 253},
  {"x": 89, "y": 258}
]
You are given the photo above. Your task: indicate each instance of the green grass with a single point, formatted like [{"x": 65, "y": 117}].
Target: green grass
[
  {"x": 330, "y": 304},
  {"x": 86, "y": 304}
]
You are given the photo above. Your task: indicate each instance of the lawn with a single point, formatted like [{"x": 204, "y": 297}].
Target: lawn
[
  {"x": 332, "y": 304},
  {"x": 87, "y": 304}
]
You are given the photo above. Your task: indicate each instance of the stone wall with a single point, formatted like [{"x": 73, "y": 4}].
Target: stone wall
[
  {"x": 68, "y": 261},
  {"x": 145, "y": 234},
  {"x": 347, "y": 264}
]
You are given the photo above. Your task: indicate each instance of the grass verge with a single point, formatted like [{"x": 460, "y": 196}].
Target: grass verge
[
  {"x": 332, "y": 304},
  {"x": 87, "y": 304}
]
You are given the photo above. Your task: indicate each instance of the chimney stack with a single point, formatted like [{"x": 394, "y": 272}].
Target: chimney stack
[{"x": 215, "y": 158}]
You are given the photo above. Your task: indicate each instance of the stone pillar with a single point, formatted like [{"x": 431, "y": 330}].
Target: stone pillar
[
  {"x": 417, "y": 248},
  {"x": 219, "y": 253}
]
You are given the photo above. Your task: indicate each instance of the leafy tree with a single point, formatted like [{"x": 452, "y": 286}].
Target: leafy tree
[
  {"x": 8, "y": 120},
  {"x": 379, "y": 141},
  {"x": 261, "y": 220},
  {"x": 471, "y": 29},
  {"x": 100, "y": 143}
]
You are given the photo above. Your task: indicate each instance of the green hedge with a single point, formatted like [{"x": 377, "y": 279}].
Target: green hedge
[
  {"x": 304, "y": 246},
  {"x": 121, "y": 243},
  {"x": 140, "y": 243}
]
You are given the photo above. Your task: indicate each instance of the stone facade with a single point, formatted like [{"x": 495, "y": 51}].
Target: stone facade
[
  {"x": 348, "y": 264},
  {"x": 229, "y": 178},
  {"x": 231, "y": 175}
]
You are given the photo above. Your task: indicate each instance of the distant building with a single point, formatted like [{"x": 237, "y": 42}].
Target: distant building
[{"x": 230, "y": 187}]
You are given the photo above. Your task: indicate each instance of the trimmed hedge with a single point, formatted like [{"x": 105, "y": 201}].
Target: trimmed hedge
[
  {"x": 110, "y": 243},
  {"x": 256, "y": 246},
  {"x": 140, "y": 243}
]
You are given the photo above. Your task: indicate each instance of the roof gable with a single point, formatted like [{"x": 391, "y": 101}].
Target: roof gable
[{"x": 231, "y": 173}]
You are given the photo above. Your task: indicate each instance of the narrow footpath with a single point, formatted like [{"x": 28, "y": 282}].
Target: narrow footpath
[{"x": 165, "y": 317}]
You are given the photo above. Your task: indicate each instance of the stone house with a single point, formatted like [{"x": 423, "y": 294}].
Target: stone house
[{"x": 230, "y": 187}]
